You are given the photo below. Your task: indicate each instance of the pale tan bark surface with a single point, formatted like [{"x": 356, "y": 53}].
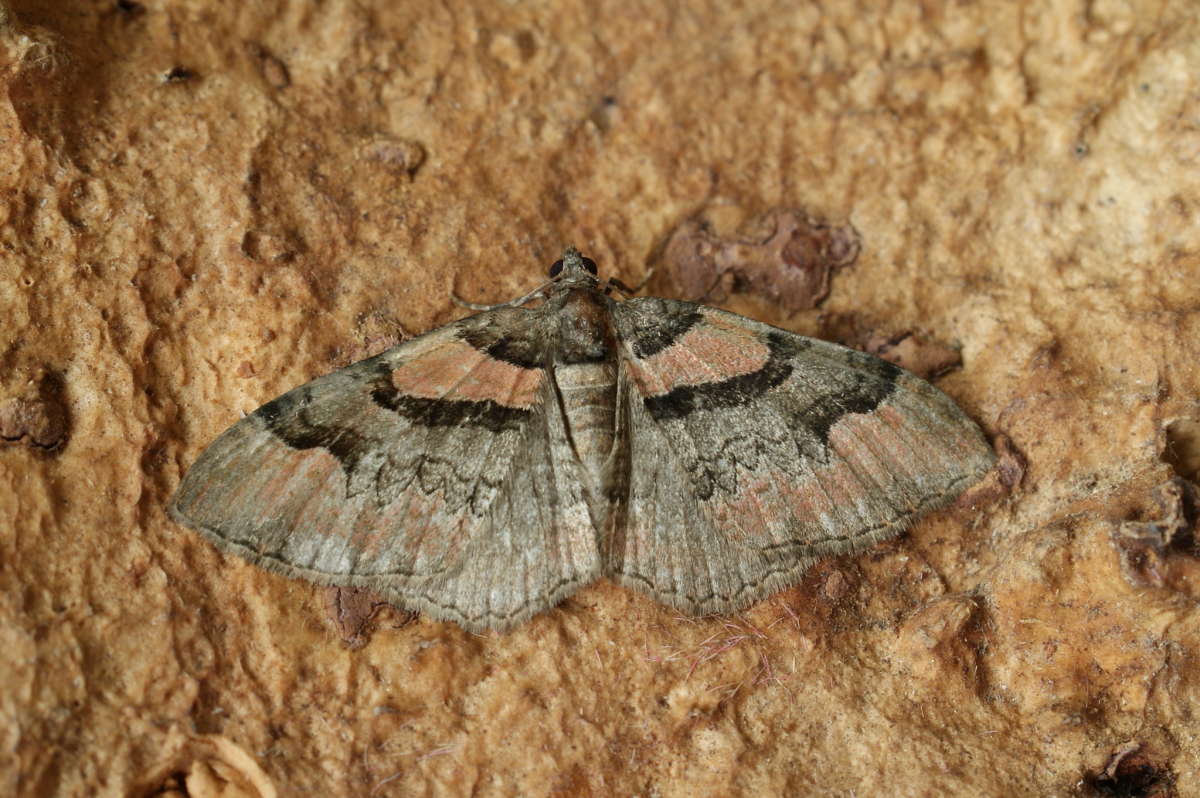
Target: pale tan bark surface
[{"x": 203, "y": 204}]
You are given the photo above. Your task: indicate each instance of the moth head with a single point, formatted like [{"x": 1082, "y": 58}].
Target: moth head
[{"x": 573, "y": 266}]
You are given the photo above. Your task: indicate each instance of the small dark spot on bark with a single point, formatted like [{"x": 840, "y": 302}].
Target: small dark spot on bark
[
  {"x": 1131, "y": 773},
  {"x": 37, "y": 415},
  {"x": 179, "y": 74},
  {"x": 272, "y": 68},
  {"x": 1181, "y": 447},
  {"x": 1147, "y": 547}
]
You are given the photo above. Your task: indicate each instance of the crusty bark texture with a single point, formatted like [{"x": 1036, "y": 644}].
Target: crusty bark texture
[{"x": 204, "y": 204}]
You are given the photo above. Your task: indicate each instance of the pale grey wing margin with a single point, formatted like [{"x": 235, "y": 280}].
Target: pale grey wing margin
[
  {"x": 445, "y": 503},
  {"x": 756, "y": 452}
]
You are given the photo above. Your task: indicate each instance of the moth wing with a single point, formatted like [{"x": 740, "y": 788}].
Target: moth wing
[
  {"x": 755, "y": 452},
  {"x": 434, "y": 473}
]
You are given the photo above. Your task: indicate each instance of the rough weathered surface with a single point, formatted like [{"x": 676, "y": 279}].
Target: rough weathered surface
[{"x": 204, "y": 204}]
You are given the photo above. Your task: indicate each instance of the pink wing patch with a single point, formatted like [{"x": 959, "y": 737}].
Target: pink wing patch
[
  {"x": 459, "y": 372},
  {"x": 709, "y": 352}
]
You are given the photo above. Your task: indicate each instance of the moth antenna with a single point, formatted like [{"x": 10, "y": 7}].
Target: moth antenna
[
  {"x": 613, "y": 284},
  {"x": 619, "y": 285},
  {"x": 646, "y": 278},
  {"x": 456, "y": 299},
  {"x": 537, "y": 293}
]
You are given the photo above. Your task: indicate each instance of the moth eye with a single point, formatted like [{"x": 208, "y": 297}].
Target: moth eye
[
  {"x": 556, "y": 268},
  {"x": 590, "y": 265}
]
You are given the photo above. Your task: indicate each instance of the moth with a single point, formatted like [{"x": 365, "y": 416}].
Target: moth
[{"x": 486, "y": 470}]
